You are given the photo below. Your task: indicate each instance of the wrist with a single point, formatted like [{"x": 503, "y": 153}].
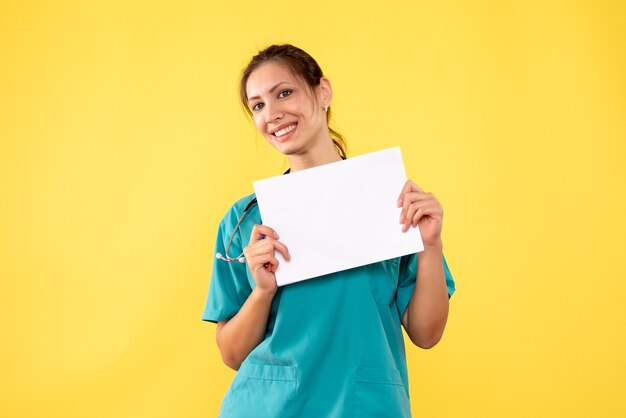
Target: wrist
[
  {"x": 436, "y": 246},
  {"x": 261, "y": 293}
]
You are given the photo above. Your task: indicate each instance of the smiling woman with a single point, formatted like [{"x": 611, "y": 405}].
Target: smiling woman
[
  {"x": 290, "y": 116},
  {"x": 331, "y": 346},
  {"x": 284, "y": 87}
]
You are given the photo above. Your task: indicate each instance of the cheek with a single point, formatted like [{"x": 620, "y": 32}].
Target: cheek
[
  {"x": 309, "y": 109},
  {"x": 306, "y": 108},
  {"x": 259, "y": 123}
]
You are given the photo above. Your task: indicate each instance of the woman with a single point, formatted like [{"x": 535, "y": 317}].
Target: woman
[{"x": 331, "y": 346}]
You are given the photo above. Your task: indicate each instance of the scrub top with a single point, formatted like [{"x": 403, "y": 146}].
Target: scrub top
[{"x": 333, "y": 345}]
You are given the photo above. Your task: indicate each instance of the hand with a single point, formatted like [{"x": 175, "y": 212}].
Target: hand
[
  {"x": 260, "y": 257},
  {"x": 423, "y": 209}
]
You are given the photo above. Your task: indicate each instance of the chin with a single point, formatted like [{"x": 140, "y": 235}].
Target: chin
[{"x": 286, "y": 148}]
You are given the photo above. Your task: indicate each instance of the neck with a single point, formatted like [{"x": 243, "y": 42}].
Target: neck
[{"x": 323, "y": 155}]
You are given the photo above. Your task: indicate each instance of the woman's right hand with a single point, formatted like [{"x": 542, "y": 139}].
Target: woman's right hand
[{"x": 260, "y": 257}]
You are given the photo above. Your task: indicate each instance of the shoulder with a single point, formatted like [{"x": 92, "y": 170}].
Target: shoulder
[
  {"x": 240, "y": 205},
  {"x": 237, "y": 209}
]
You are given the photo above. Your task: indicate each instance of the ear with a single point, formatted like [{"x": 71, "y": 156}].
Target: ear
[{"x": 326, "y": 91}]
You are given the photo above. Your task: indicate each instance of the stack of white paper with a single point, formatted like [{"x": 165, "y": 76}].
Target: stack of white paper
[{"x": 338, "y": 216}]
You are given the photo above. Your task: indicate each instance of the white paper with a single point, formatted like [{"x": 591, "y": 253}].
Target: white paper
[{"x": 337, "y": 216}]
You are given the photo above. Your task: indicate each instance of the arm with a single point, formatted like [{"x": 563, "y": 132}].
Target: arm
[
  {"x": 238, "y": 336},
  {"x": 427, "y": 312}
]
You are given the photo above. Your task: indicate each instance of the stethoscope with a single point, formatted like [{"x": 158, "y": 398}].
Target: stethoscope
[{"x": 239, "y": 258}]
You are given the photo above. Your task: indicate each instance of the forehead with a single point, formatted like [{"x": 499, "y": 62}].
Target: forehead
[{"x": 266, "y": 76}]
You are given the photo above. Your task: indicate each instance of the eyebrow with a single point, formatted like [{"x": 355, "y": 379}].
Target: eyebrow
[{"x": 271, "y": 91}]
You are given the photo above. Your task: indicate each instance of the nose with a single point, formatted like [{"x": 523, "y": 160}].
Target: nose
[{"x": 272, "y": 113}]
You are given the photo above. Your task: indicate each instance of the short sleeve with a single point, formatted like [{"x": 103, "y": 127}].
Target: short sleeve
[
  {"x": 406, "y": 281},
  {"x": 229, "y": 287}
]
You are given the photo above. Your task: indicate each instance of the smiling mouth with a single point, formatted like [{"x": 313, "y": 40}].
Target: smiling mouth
[{"x": 285, "y": 131}]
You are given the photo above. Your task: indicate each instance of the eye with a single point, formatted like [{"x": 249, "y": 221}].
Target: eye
[
  {"x": 284, "y": 93},
  {"x": 256, "y": 106}
]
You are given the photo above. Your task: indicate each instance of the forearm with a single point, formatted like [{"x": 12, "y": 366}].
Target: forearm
[
  {"x": 237, "y": 337},
  {"x": 427, "y": 311}
]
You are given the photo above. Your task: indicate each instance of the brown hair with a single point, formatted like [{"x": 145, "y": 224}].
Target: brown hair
[{"x": 302, "y": 65}]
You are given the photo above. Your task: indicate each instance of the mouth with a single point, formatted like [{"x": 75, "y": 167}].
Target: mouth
[{"x": 284, "y": 133}]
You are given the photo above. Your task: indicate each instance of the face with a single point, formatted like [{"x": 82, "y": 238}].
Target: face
[{"x": 285, "y": 111}]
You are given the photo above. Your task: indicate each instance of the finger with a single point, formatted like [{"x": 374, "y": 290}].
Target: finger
[
  {"x": 407, "y": 215},
  {"x": 405, "y": 189},
  {"x": 412, "y": 198},
  {"x": 274, "y": 245},
  {"x": 426, "y": 207},
  {"x": 267, "y": 246},
  {"x": 416, "y": 196},
  {"x": 259, "y": 230},
  {"x": 259, "y": 257},
  {"x": 408, "y": 187},
  {"x": 415, "y": 187},
  {"x": 282, "y": 248},
  {"x": 410, "y": 215},
  {"x": 430, "y": 210},
  {"x": 264, "y": 261},
  {"x": 258, "y": 249},
  {"x": 272, "y": 264},
  {"x": 409, "y": 199},
  {"x": 416, "y": 217}
]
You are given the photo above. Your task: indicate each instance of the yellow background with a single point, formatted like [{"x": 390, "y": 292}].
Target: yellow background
[{"x": 123, "y": 144}]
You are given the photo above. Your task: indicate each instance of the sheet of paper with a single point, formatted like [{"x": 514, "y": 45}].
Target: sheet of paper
[{"x": 337, "y": 216}]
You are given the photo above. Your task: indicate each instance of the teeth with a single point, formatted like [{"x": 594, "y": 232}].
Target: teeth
[{"x": 285, "y": 130}]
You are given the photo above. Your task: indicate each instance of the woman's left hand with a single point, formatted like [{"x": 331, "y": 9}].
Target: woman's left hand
[{"x": 423, "y": 209}]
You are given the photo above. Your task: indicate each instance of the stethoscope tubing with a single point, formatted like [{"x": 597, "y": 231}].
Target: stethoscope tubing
[{"x": 239, "y": 258}]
